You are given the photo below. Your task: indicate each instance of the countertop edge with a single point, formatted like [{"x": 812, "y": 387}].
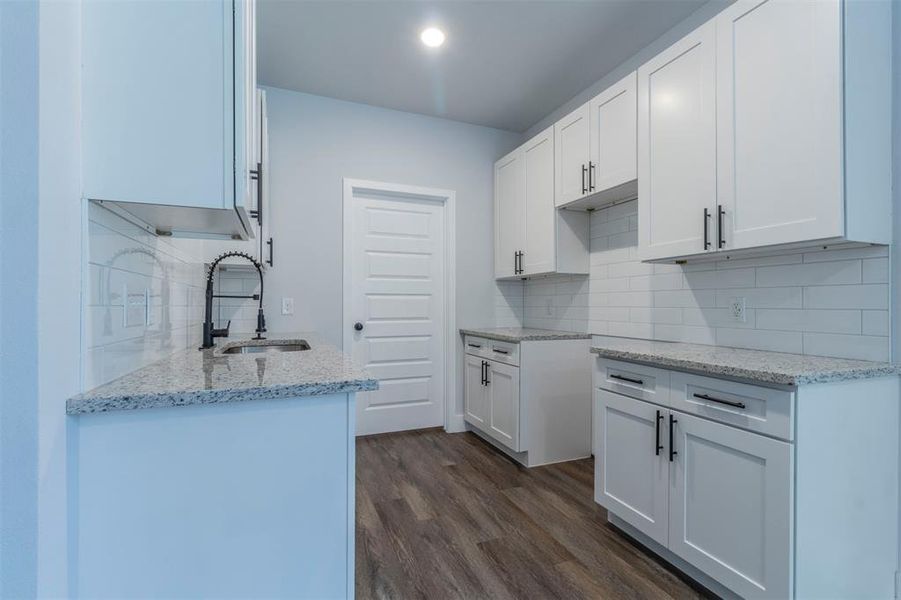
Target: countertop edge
[
  {"x": 763, "y": 377},
  {"x": 551, "y": 336},
  {"x": 129, "y": 402}
]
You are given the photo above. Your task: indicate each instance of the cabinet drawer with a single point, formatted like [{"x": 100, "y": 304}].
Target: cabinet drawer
[
  {"x": 633, "y": 380},
  {"x": 476, "y": 345},
  {"x": 763, "y": 410},
  {"x": 505, "y": 352}
]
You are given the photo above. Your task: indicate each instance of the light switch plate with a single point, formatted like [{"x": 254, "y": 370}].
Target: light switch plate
[{"x": 287, "y": 306}]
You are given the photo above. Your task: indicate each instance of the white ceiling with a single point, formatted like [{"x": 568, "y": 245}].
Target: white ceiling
[{"x": 505, "y": 64}]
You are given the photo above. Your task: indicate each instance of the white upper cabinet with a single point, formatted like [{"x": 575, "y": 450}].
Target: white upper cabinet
[
  {"x": 531, "y": 236},
  {"x": 779, "y": 126},
  {"x": 571, "y": 138},
  {"x": 613, "y": 166},
  {"x": 167, "y": 102},
  {"x": 772, "y": 119},
  {"x": 677, "y": 148},
  {"x": 540, "y": 213},
  {"x": 509, "y": 213}
]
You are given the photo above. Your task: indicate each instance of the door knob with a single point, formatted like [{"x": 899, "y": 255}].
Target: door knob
[{"x": 358, "y": 326}]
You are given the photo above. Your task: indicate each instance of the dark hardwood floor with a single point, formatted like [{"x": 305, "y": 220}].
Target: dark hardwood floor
[{"x": 447, "y": 516}]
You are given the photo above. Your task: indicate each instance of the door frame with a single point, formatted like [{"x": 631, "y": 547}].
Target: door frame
[{"x": 447, "y": 199}]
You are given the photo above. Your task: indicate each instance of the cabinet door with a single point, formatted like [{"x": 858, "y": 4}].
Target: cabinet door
[
  {"x": 540, "y": 212},
  {"x": 157, "y": 103},
  {"x": 503, "y": 404},
  {"x": 571, "y": 156},
  {"x": 509, "y": 216},
  {"x": 631, "y": 469},
  {"x": 779, "y": 121},
  {"x": 730, "y": 506},
  {"x": 677, "y": 148},
  {"x": 613, "y": 137},
  {"x": 475, "y": 399}
]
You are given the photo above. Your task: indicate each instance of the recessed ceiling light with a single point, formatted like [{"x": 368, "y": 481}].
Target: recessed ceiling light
[{"x": 432, "y": 37}]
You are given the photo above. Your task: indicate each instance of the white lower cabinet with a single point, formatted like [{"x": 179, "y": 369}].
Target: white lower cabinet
[
  {"x": 529, "y": 399},
  {"x": 757, "y": 492},
  {"x": 730, "y": 505},
  {"x": 503, "y": 404}
]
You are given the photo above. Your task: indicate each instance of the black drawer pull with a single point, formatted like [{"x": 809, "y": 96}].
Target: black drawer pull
[
  {"x": 672, "y": 448},
  {"x": 726, "y": 402},
  {"x": 474, "y": 345},
  {"x": 629, "y": 379},
  {"x": 657, "y": 445},
  {"x": 499, "y": 351}
]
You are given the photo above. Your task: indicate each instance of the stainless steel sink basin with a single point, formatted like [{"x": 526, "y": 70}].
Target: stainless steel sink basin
[{"x": 254, "y": 349}]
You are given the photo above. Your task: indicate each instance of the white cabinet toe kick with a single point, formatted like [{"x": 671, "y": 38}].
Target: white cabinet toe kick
[
  {"x": 529, "y": 398},
  {"x": 756, "y": 492}
]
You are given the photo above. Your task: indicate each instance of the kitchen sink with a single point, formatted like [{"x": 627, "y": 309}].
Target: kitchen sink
[{"x": 250, "y": 348}]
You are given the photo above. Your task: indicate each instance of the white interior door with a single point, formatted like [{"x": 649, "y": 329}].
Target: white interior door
[{"x": 395, "y": 308}]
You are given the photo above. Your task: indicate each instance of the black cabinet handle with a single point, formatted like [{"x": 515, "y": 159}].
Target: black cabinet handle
[
  {"x": 517, "y": 262},
  {"x": 672, "y": 448},
  {"x": 474, "y": 345},
  {"x": 484, "y": 378},
  {"x": 706, "y": 229},
  {"x": 257, "y": 175},
  {"x": 584, "y": 188},
  {"x": 270, "y": 244},
  {"x": 590, "y": 176},
  {"x": 720, "y": 238},
  {"x": 720, "y": 401},
  {"x": 499, "y": 351},
  {"x": 629, "y": 379},
  {"x": 487, "y": 365},
  {"x": 657, "y": 445}
]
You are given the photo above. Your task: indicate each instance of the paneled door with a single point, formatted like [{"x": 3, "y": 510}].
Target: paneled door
[
  {"x": 475, "y": 395},
  {"x": 677, "y": 148},
  {"x": 503, "y": 404},
  {"x": 730, "y": 506},
  {"x": 613, "y": 119},
  {"x": 571, "y": 156},
  {"x": 631, "y": 462},
  {"x": 395, "y": 307},
  {"x": 509, "y": 215},
  {"x": 539, "y": 254},
  {"x": 779, "y": 126}
]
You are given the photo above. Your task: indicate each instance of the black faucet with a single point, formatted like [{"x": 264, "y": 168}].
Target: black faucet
[{"x": 209, "y": 332}]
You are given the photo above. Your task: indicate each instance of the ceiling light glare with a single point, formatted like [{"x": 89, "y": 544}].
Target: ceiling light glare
[{"x": 432, "y": 37}]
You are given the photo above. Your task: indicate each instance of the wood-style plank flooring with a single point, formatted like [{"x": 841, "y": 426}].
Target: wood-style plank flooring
[{"x": 447, "y": 516}]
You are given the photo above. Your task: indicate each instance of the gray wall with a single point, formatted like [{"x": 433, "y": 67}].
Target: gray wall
[
  {"x": 314, "y": 143},
  {"x": 18, "y": 289}
]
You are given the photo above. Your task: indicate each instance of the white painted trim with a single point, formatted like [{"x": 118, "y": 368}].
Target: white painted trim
[{"x": 453, "y": 422}]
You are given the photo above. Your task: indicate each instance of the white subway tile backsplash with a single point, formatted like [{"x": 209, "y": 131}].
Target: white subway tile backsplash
[{"x": 832, "y": 302}]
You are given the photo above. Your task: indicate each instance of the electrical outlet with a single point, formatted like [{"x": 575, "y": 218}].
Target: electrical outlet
[
  {"x": 287, "y": 306},
  {"x": 737, "y": 309}
]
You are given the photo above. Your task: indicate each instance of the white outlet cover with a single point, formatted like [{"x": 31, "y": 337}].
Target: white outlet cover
[
  {"x": 287, "y": 306},
  {"x": 737, "y": 309}
]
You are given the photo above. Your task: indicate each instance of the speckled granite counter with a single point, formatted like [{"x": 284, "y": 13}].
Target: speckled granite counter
[
  {"x": 208, "y": 377},
  {"x": 774, "y": 368},
  {"x": 520, "y": 334}
]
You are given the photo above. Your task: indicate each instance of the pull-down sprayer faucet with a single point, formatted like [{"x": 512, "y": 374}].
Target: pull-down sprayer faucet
[{"x": 209, "y": 332}]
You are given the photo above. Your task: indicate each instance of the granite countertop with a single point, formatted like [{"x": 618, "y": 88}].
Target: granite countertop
[
  {"x": 195, "y": 376},
  {"x": 520, "y": 334},
  {"x": 758, "y": 366}
]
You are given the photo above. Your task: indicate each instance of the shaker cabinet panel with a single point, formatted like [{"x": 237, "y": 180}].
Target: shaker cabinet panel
[
  {"x": 613, "y": 119},
  {"x": 539, "y": 255},
  {"x": 475, "y": 393},
  {"x": 730, "y": 506},
  {"x": 779, "y": 125},
  {"x": 509, "y": 215},
  {"x": 676, "y": 148},
  {"x": 631, "y": 466},
  {"x": 571, "y": 138}
]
